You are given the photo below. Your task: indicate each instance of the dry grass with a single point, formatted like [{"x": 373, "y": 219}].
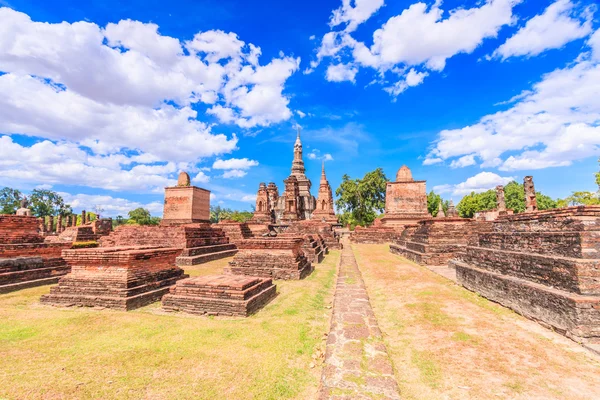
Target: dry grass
[
  {"x": 54, "y": 353},
  {"x": 447, "y": 342}
]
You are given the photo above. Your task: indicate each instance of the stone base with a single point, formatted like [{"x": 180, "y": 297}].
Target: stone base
[
  {"x": 431, "y": 255},
  {"x": 121, "y": 278},
  {"x": 220, "y": 295},
  {"x": 573, "y": 315},
  {"x": 270, "y": 271},
  {"x": 23, "y": 272}
]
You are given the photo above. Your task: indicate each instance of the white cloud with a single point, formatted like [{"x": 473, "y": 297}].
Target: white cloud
[
  {"x": 249, "y": 198},
  {"x": 201, "y": 177},
  {"x": 126, "y": 89},
  {"x": 300, "y": 114},
  {"x": 341, "y": 73},
  {"x": 479, "y": 183},
  {"x": 594, "y": 43},
  {"x": 111, "y": 206},
  {"x": 65, "y": 163},
  {"x": 464, "y": 161},
  {"x": 558, "y": 25},
  {"x": 234, "y": 173},
  {"x": 235, "y": 163},
  {"x": 551, "y": 125},
  {"x": 315, "y": 154},
  {"x": 422, "y": 37},
  {"x": 354, "y": 14}
]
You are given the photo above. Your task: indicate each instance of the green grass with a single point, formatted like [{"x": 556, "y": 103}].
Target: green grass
[
  {"x": 429, "y": 368},
  {"x": 50, "y": 352}
]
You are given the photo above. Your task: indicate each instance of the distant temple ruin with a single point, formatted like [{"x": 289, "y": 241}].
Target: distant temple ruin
[
  {"x": 296, "y": 203},
  {"x": 405, "y": 200}
]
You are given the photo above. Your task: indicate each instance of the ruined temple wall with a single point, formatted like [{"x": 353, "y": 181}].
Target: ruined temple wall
[
  {"x": 406, "y": 197},
  {"x": 15, "y": 229},
  {"x": 544, "y": 265},
  {"x": 182, "y": 236}
]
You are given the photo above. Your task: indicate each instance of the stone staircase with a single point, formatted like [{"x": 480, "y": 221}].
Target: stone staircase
[{"x": 204, "y": 254}]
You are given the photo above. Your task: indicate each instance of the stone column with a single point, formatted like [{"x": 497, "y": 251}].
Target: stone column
[
  {"x": 83, "y": 217},
  {"x": 530, "y": 199},
  {"x": 74, "y": 220},
  {"x": 42, "y": 225},
  {"x": 500, "y": 203},
  {"x": 59, "y": 224},
  {"x": 50, "y": 224}
]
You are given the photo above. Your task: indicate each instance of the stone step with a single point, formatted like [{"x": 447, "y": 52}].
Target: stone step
[
  {"x": 204, "y": 258},
  {"x": 196, "y": 251}
]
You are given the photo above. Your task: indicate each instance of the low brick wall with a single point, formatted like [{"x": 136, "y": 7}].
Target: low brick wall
[
  {"x": 121, "y": 278},
  {"x": 278, "y": 258},
  {"x": 228, "y": 295},
  {"x": 544, "y": 265},
  {"x": 16, "y": 229}
]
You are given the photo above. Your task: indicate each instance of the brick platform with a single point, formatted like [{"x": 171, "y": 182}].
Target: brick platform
[
  {"x": 314, "y": 246},
  {"x": 25, "y": 260},
  {"x": 544, "y": 265},
  {"x": 121, "y": 278},
  {"x": 374, "y": 234},
  {"x": 230, "y": 295},
  {"x": 324, "y": 229},
  {"x": 275, "y": 258},
  {"x": 198, "y": 243},
  {"x": 435, "y": 241}
]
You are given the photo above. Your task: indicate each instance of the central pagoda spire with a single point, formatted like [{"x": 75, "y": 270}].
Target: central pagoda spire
[{"x": 298, "y": 163}]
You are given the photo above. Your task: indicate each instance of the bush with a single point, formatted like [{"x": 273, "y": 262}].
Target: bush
[{"x": 85, "y": 245}]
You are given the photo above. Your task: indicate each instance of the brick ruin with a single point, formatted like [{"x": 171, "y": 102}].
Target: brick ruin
[
  {"x": 323, "y": 229},
  {"x": 405, "y": 200},
  {"x": 185, "y": 204},
  {"x": 277, "y": 258},
  {"x": 374, "y": 234},
  {"x": 228, "y": 295},
  {"x": 121, "y": 278},
  {"x": 314, "y": 246},
  {"x": 325, "y": 211},
  {"x": 434, "y": 241},
  {"x": 25, "y": 259},
  {"x": 544, "y": 265},
  {"x": 296, "y": 203}
]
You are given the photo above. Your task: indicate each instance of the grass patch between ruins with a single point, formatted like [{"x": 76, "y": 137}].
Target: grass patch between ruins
[
  {"x": 85, "y": 353},
  {"x": 448, "y": 342}
]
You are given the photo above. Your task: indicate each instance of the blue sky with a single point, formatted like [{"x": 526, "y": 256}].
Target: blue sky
[{"x": 105, "y": 101}]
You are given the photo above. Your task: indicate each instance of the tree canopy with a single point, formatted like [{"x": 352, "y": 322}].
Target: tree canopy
[
  {"x": 433, "y": 203},
  {"x": 514, "y": 196},
  {"x": 361, "y": 200},
  {"x": 141, "y": 216},
  {"x": 10, "y": 200},
  {"x": 218, "y": 213},
  {"x": 43, "y": 203}
]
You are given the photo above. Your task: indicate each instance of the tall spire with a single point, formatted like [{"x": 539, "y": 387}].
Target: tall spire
[
  {"x": 323, "y": 177},
  {"x": 298, "y": 163}
]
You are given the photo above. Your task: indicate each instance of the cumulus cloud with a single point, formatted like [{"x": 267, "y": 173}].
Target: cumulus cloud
[
  {"x": 235, "y": 163},
  {"x": 551, "y": 125},
  {"x": 111, "y": 206},
  {"x": 421, "y": 39},
  {"x": 558, "y": 25},
  {"x": 65, "y": 163},
  {"x": 341, "y": 73},
  {"x": 234, "y": 173},
  {"x": 479, "y": 183}
]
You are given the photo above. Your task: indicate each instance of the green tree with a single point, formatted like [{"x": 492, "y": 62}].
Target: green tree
[
  {"x": 580, "y": 199},
  {"x": 141, "y": 216},
  {"x": 218, "y": 213},
  {"x": 433, "y": 203},
  {"x": 241, "y": 216},
  {"x": 44, "y": 202},
  {"x": 10, "y": 200},
  {"x": 360, "y": 200},
  {"x": 514, "y": 196}
]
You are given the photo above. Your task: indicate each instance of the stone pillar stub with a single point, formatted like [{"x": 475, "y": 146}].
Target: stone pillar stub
[
  {"x": 530, "y": 198},
  {"x": 500, "y": 201}
]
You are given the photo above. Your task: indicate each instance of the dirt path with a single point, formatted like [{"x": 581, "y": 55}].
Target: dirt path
[
  {"x": 446, "y": 342},
  {"x": 357, "y": 365}
]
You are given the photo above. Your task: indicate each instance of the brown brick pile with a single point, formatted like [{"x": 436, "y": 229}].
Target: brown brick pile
[
  {"x": 198, "y": 243},
  {"x": 121, "y": 278},
  {"x": 434, "y": 241},
  {"x": 374, "y": 234},
  {"x": 314, "y": 246},
  {"x": 326, "y": 230},
  {"x": 545, "y": 265},
  {"x": 277, "y": 258},
  {"x": 25, "y": 260},
  {"x": 230, "y": 295}
]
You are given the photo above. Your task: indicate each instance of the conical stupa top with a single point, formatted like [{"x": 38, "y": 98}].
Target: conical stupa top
[
  {"x": 298, "y": 142},
  {"x": 323, "y": 177}
]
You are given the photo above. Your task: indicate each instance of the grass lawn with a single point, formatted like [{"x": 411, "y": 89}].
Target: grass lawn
[
  {"x": 50, "y": 353},
  {"x": 449, "y": 343}
]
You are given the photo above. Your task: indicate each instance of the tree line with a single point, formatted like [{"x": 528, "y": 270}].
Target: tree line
[{"x": 361, "y": 201}]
